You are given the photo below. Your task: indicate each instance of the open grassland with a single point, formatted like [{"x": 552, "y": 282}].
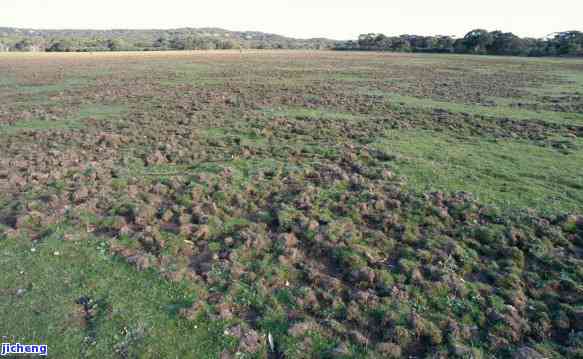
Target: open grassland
[{"x": 347, "y": 205}]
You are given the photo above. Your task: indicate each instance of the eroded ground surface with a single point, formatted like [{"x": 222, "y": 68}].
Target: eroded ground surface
[{"x": 348, "y": 204}]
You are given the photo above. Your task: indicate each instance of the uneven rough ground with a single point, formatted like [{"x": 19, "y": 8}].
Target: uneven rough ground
[{"x": 347, "y": 204}]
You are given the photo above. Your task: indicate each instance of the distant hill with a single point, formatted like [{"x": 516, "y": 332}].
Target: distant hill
[{"x": 19, "y": 39}]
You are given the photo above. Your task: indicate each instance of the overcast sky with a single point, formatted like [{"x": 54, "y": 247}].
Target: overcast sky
[{"x": 336, "y": 19}]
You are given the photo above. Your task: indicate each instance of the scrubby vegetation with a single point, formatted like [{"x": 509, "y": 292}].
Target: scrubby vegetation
[{"x": 345, "y": 205}]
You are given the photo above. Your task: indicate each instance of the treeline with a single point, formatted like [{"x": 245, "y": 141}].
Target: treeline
[
  {"x": 568, "y": 43},
  {"x": 97, "y": 44},
  {"x": 12, "y": 39}
]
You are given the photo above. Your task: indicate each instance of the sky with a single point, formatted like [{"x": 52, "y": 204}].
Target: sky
[{"x": 335, "y": 19}]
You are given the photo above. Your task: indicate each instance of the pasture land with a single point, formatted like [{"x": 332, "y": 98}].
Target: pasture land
[{"x": 191, "y": 204}]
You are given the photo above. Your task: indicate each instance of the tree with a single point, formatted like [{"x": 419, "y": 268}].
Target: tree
[
  {"x": 61, "y": 45},
  {"x": 116, "y": 45},
  {"x": 445, "y": 43},
  {"x": 401, "y": 44},
  {"x": 477, "y": 41},
  {"x": 569, "y": 43},
  {"x": 177, "y": 43},
  {"x": 161, "y": 43},
  {"x": 23, "y": 45},
  {"x": 383, "y": 42},
  {"x": 227, "y": 44},
  {"x": 367, "y": 41},
  {"x": 505, "y": 43}
]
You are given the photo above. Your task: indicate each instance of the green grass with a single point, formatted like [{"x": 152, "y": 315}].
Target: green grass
[
  {"x": 310, "y": 113},
  {"x": 40, "y": 125},
  {"x": 345, "y": 77},
  {"x": 66, "y": 84},
  {"x": 196, "y": 74},
  {"x": 507, "y": 173},
  {"x": 509, "y": 102},
  {"x": 567, "y": 83},
  {"x": 136, "y": 311},
  {"x": 7, "y": 80},
  {"x": 98, "y": 112},
  {"x": 501, "y": 111},
  {"x": 189, "y": 79},
  {"x": 242, "y": 135}
]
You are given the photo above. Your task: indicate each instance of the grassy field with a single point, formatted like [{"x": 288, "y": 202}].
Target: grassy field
[{"x": 345, "y": 205}]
